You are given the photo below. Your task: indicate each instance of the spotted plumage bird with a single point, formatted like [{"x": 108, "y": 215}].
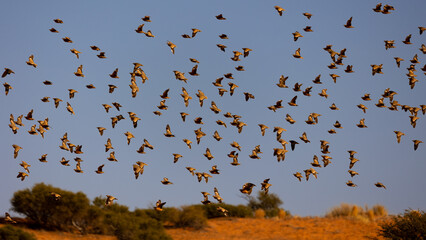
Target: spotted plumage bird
[
  {"x": 31, "y": 61},
  {"x": 159, "y": 206},
  {"x": 247, "y": 188}
]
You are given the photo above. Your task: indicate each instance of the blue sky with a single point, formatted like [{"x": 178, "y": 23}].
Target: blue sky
[{"x": 253, "y": 24}]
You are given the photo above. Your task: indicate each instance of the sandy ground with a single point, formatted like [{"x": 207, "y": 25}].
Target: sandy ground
[
  {"x": 300, "y": 229},
  {"x": 250, "y": 228}
]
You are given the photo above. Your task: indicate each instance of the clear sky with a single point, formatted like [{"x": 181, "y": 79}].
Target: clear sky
[{"x": 111, "y": 25}]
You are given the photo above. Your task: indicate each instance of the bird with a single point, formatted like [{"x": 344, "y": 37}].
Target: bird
[
  {"x": 416, "y": 144},
  {"x": 99, "y": 170},
  {"x": 217, "y": 195},
  {"x": 361, "y": 123},
  {"x": 114, "y": 74},
  {"x": 298, "y": 175},
  {"x": 296, "y": 35},
  {"x": 297, "y": 54},
  {"x": 265, "y": 185},
  {"x": 55, "y": 196},
  {"x": 208, "y": 154},
  {"x": 108, "y": 145},
  {"x": 22, "y": 175},
  {"x": 43, "y": 158},
  {"x": 188, "y": 142},
  {"x": 31, "y": 61},
  {"x": 217, "y": 136},
  {"x": 172, "y": 46},
  {"x": 221, "y": 47},
  {"x": 348, "y": 23},
  {"x": 351, "y": 184},
  {"x": 407, "y": 39},
  {"x": 78, "y": 168},
  {"x": 75, "y": 52},
  {"x": 309, "y": 172},
  {"x": 191, "y": 170},
  {"x": 25, "y": 166},
  {"x": 112, "y": 157},
  {"x": 293, "y": 101},
  {"x": 308, "y": 15},
  {"x": 159, "y": 206},
  {"x": 64, "y": 162},
  {"x": 334, "y": 107},
  {"x": 8, "y": 219},
  {"x": 101, "y": 55},
  {"x": 247, "y": 188},
  {"x": 7, "y": 71},
  {"x": 235, "y": 145},
  {"x": 279, "y": 9},
  {"x": 247, "y": 51},
  {"x": 79, "y": 72},
  {"x": 378, "y": 8},
  {"x": 214, "y": 170},
  {"x": 146, "y": 19},
  {"x": 380, "y": 185},
  {"x": 109, "y": 200},
  {"x": 138, "y": 168},
  {"x": 129, "y": 136},
  {"x": 67, "y": 40},
  {"x": 70, "y": 109},
  {"x": 194, "y": 32},
  {"x": 201, "y": 96},
  {"x": 7, "y": 88},
  {"x": 220, "y": 17},
  {"x": 352, "y": 173},
  {"x": 352, "y": 162},
  {"x": 53, "y": 30},
  {"x": 166, "y": 181},
  {"x": 206, "y": 198},
  {"x": 176, "y": 157},
  {"x": 293, "y": 144},
  {"x": 16, "y": 150},
  {"x": 398, "y": 135}
]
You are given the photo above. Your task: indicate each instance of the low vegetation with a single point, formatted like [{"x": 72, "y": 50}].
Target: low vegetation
[
  {"x": 410, "y": 225},
  {"x": 12, "y": 233},
  {"x": 73, "y": 212},
  {"x": 358, "y": 212}
]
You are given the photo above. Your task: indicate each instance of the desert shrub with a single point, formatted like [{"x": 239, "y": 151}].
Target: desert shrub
[
  {"x": 380, "y": 211},
  {"x": 259, "y": 213},
  {"x": 170, "y": 214},
  {"x": 268, "y": 202},
  {"x": 357, "y": 212},
  {"x": 282, "y": 214},
  {"x": 74, "y": 211},
  {"x": 12, "y": 233},
  {"x": 126, "y": 225},
  {"x": 410, "y": 225},
  {"x": 39, "y": 206},
  {"x": 192, "y": 217},
  {"x": 129, "y": 226},
  {"x": 240, "y": 211}
]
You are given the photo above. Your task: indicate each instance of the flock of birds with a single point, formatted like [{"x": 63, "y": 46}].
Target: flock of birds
[{"x": 337, "y": 58}]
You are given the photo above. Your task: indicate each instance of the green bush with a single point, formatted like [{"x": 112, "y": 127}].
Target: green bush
[
  {"x": 74, "y": 211},
  {"x": 39, "y": 206},
  {"x": 240, "y": 211},
  {"x": 12, "y": 233},
  {"x": 357, "y": 212},
  {"x": 410, "y": 225},
  {"x": 270, "y": 203},
  {"x": 168, "y": 215},
  {"x": 192, "y": 217}
]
